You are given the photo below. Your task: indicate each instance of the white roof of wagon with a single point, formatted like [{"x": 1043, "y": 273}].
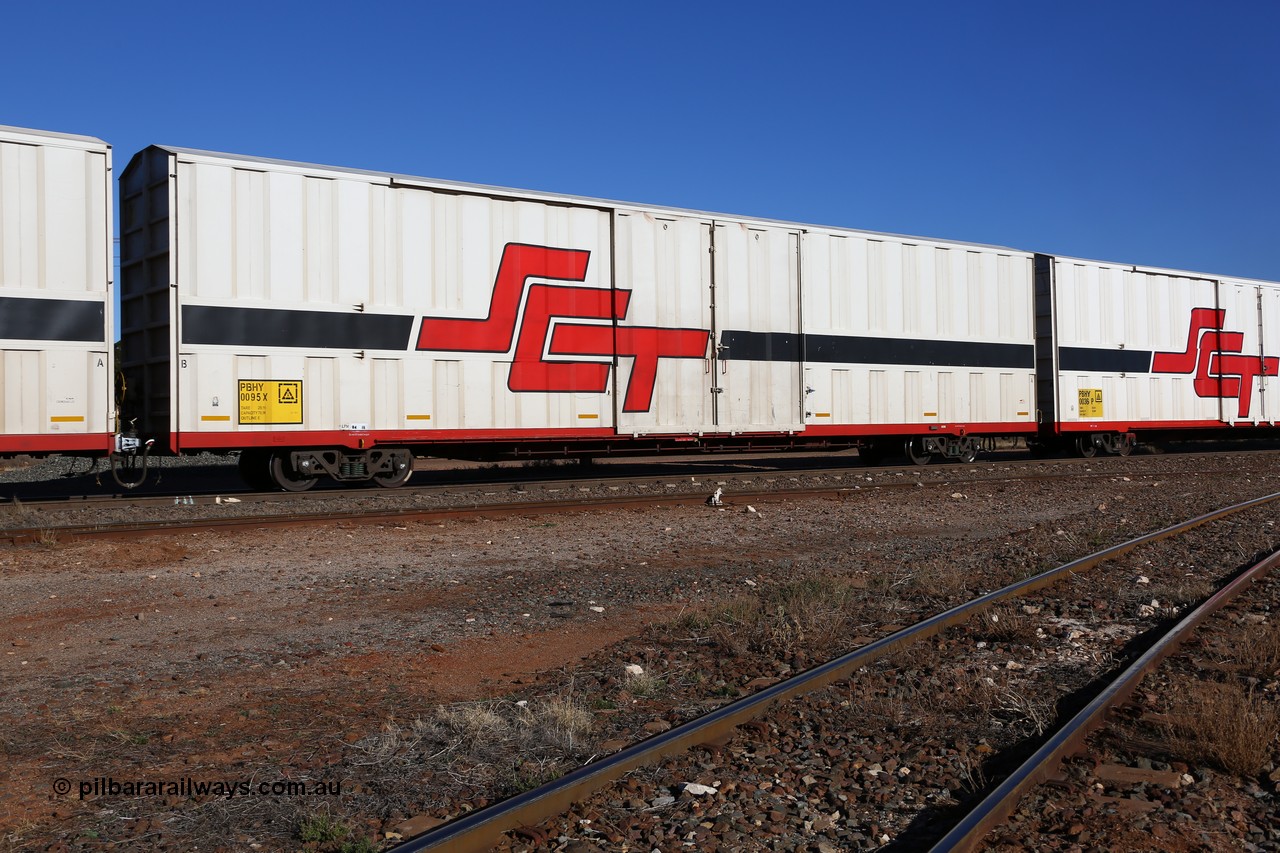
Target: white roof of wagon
[
  {"x": 1147, "y": 269},
  {"x": 32, "y": 136},
  {"x": 398, "y": 180}
]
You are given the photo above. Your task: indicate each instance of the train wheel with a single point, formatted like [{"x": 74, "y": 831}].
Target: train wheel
[
  {"x": 397, "y": 478},
  {"x": 1085, "y": 447},
  {"x": 283, "y": 475},
  {"x": 255, "y": 469},
  {"x": 969, "y": 453},
  {"x": 913, "y": 449},
  {"x": 1124, "y": 444}
]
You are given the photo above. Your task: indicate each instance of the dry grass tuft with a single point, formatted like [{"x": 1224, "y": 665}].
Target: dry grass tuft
[
  {"x": 501, "y": 745},
  {"x": 645, "y": 686},
  {"x": 941, "y": 579},
  {"x": 559, "y": 721},
  {"x": 1004, "y": 624},
  {"x": 1257, "y": 652},
  {"x": 810, "y": 614},
  {"x": 470, "y": 724},
  {"x": 1225, "y": 725}
]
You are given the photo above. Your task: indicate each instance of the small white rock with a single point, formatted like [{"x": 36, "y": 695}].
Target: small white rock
[
  {"x": 958, "y": 495},
  {"x": 1013, "y": 664},
  {"x": 698, "y": 790},
  {"x": 750, "y": 508},
  {"x": 748, "y": 581},
  {"x": 1143, "y": 579},
  {"x": 633, "y": 669},
  {"x": 597, "y": 609}
]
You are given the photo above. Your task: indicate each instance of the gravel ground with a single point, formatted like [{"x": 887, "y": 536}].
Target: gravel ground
[
  {"x": 391, "y": 659},
  {"x": 892, "y": 757},
  {"x": 1187, "y": 764}
]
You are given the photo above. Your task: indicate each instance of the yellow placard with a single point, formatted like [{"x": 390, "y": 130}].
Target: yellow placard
[
  {"x": 1091, "y": 402},
  {"x": 270, "y": 401}
]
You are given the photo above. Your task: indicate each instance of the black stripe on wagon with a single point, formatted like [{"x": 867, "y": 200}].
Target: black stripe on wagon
[
  {"x": 272, "y": 327},
  {"x": 52, "y": 320},
  {"x": 1094, "y": 360},
  {"x": 849, "y": 349}
]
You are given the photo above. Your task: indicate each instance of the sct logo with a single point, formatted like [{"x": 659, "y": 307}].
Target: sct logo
[
  {"x": 534, "y": 366},
  {"x": 1221, "y": 370}
]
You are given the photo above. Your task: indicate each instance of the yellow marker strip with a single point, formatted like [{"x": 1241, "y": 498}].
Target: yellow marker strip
[
  {"x": 822, "y": 414},
  {"x": 215, "y": 417},
  {"x": 67, "y": 419},
  {"x": 930, "y": 414},
  {"x": 587, "y": 417},
  {"x": 417, "y": 417},
  {"x": 1023, "y": 414}
]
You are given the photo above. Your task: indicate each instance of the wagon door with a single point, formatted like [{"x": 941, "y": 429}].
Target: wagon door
[
  {"x": 663, "y": 367},
  {"x": 1269, "y": 341},
  {"x": 1238, "y": 366},
  {"x": 758, "y": 370}
]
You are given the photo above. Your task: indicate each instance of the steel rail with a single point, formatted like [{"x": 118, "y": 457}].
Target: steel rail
[
  {"x": 477, "y": 830},
  {"x": 1070, "y": 738}
]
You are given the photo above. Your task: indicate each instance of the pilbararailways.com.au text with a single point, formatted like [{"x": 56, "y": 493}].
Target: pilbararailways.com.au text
[{"x": 108, "y": 786}]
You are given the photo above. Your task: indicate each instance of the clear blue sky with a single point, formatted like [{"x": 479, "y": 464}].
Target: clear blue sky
[{"x": 1144, "y": 132}]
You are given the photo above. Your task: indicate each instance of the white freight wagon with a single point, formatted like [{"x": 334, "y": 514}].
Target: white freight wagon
[
  {"x": 56, "y": 363},
  {"x": 1136, "y": 349},
  {"x": 336, "y": 321}
]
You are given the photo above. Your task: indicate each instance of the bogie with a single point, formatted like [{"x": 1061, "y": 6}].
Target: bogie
[{"x": 299, "y": 470}]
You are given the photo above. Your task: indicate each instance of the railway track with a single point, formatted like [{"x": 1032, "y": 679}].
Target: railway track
[
  {"x": 480, "y": 829},
  {"x": 206, "y": 483},
  {"x": 111, "y": 516},
  {"x": 1070, "y": 738}
]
